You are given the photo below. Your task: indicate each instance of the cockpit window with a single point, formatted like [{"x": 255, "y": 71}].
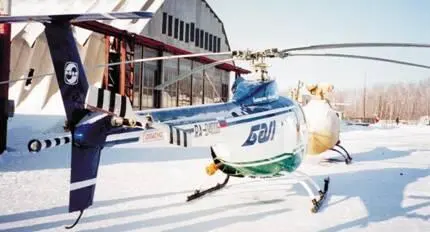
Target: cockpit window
[{"x": 255, "y": 92}]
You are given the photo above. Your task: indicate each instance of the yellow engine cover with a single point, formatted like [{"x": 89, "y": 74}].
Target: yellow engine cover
[
  {"x": 319, "y": 143},
  {"x": 323, "y": 126}
]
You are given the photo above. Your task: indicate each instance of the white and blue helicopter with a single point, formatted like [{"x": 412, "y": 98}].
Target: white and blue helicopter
[{"x": 257, "y": 134}]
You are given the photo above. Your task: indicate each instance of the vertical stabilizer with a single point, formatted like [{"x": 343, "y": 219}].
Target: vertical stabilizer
[{"x": 69, "y": 70}]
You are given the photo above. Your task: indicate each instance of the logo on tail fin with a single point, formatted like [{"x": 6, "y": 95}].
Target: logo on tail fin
[{"x": 71, "y": 73}]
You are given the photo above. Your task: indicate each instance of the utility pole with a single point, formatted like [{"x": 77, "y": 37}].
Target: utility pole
[
  {"x": 364, "y": 98},
  {"x": 5, "y": 9}
]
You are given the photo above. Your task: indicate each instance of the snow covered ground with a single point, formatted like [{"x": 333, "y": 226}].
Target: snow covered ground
[{"x": 386, "y": 188}]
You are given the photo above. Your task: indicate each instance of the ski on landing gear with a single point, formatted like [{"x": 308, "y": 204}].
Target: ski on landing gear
[
  {"x": 198, "y": 193},
  {"x": 347, "y": 158},
  {"x": 323, "y": 194}
]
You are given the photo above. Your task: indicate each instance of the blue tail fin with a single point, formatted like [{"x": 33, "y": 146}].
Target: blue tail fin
[{"x": 69, "y": 70}]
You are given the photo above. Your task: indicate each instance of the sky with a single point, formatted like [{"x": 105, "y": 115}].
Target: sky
[{"x": 257, "y": 24}]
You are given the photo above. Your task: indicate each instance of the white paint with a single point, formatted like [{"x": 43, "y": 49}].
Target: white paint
[
  {"x": 71, "y": 73},
  {"x": 82, "y": 184}
]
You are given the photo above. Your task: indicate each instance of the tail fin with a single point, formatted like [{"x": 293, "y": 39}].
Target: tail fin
[
  {"x": 69, "y": 70},
  {"x": 88, "y": 140}
]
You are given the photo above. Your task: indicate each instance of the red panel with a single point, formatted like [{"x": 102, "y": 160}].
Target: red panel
[
  {"x": 109, "y": 30},
  {"x": 106, "y": 71},
  {"x": 122, "y": 68}
]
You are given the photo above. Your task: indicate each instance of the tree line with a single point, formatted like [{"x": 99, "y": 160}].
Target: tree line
[{"x": 406, "y": 100}]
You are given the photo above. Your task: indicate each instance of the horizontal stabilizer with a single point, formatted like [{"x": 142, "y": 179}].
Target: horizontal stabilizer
[
  {"x": 77, "y": 17},
  {"x": 103, "y": 100},
  {"x": 180, "y": 137}
]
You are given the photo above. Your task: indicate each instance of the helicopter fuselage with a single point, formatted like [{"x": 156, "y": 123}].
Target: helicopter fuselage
[{"x": 256, "y": 134}]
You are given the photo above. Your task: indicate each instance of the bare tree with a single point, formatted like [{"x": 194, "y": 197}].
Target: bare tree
[{"x": 408, "y": 101}]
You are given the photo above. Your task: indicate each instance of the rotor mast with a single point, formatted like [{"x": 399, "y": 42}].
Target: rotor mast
[{"x": 258, "y": 60}]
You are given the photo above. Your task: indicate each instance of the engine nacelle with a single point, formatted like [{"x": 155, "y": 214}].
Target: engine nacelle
[{"x": 323, "y": 126}]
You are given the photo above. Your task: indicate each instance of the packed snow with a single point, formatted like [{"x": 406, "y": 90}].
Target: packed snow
[{"x": 386, "y": 188}]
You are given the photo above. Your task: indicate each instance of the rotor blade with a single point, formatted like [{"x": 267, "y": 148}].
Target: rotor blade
[
  {"x": 27, "y": 78},
  {"x": 361, "y": 57},
  {"x": 185, "y": 75},
  {"x": 126, "y": 62},
  {"x": 355, "y": 45},
  {"x": 166, "y": 58}
]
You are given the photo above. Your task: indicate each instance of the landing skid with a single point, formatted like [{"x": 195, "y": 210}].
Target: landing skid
[
  {"x": 316, "y": 199},
  {"x": 323, "y": 194},
  {"x": 198, "y": 193},
  {"x": 347, "y": 158}
]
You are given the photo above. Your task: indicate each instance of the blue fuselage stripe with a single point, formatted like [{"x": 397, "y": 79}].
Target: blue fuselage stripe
[{"x": 259, "y": 117}]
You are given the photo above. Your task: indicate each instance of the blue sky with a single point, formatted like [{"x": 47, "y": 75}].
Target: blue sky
[{"x": 258, "y": 24}]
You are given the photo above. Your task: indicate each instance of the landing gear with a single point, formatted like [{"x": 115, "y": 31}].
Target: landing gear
[
  {"x": 345, "y": 155},
  {"x": 198, "y": 193},
  {"x": 317, "y": 201},
  {"x": 316, "y": 195}
]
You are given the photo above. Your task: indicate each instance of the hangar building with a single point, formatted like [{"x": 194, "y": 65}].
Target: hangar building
[{"x": 178, "y": 27}]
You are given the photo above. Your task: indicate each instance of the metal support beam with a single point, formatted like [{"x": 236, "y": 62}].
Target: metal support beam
[
  {"x": 129, "y": 73},
  {"x": 106, "y": 71},
  {"x": 123, "y": 55},
  {"x": 158, "y": 80},
  {"x": 5, "y": 9}
]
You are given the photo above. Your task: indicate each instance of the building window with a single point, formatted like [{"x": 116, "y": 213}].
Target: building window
[
  {"x": 176, "y": 28},
  {"x": 206, "y": 40},
  {"x": 164, "y": 23},
  {"x": 214, "y": 44},
  {"x": 184, "y": 94},
  {"x": 210, "y": 42},
  {"x": 197, "y": 42},
  {"x": 149, "y": 73},
  {"x": 219, "y": 45},
  {"x": 201, "y": 38},
  {"x": 218, "y": 79},
  {"x": 211, "y": 84},
  {"x": 181, "y": 30},
  {"x": 192, "y": 33},
  {"x": 170, "y": 71},
  {"x": 169, "y": 28},
  {"x": 187, "y": 32},
  {"x": 137, "y": 85},
  {"x": 225, "y": 81},
  {"x": 197, "y": 85}
]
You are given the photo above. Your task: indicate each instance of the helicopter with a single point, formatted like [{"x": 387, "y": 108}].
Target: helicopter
[{"x": 258, "y": 134}]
